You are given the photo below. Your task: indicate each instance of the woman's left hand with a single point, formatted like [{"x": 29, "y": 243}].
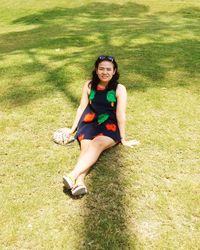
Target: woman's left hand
[{"x": 130, "y": 143}]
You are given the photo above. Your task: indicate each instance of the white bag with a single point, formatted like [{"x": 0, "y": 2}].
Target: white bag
[{"x": 62, "y": 136}]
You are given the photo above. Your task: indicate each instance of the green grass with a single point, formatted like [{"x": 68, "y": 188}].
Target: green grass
[{"x": 141, "y": 198}]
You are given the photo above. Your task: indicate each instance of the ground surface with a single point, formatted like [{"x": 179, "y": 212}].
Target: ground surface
[{"x": 140, "y": 198}]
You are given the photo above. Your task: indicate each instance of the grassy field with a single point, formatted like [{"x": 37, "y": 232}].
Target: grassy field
[{"x": 141, "y": 198}]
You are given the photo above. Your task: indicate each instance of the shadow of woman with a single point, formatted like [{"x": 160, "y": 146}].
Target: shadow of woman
[{"x": 105, "y": 221}]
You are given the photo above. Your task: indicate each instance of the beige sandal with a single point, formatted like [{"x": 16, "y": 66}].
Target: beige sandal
[
  {"x": 69, "y": 181},
  {"x": 79, "y": 189}
]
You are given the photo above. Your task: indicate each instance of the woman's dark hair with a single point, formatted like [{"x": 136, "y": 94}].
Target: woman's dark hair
[{"x": 95, "y": 79}]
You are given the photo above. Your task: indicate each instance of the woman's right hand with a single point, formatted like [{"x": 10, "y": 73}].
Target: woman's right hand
[
  {"x": 130, "y": 143},
  {"x": 70, "y": 131}
]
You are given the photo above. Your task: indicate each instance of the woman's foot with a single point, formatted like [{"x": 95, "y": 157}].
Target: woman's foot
[
  {"x": 79, "y": 188},
  {"x": 69, "y": 181}
]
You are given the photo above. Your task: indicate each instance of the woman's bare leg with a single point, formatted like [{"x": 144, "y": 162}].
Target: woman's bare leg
[
  {"x": 84, "y": 146},
  {"x": 91, "y": 154}
]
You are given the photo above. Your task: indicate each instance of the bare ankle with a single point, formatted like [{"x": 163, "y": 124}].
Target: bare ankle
[
  {"x": 74, "y": 174},
  {"x": 81, "y": 179}
]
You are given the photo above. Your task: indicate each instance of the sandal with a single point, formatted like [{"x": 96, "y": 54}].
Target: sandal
[
  {"x": 69, "y": 181},
  {"x": 79, "y": 189}
]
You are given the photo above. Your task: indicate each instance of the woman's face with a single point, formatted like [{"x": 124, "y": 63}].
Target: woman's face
[{"x": 105, "y": 71}]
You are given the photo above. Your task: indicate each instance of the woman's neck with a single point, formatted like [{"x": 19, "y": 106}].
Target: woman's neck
[{"x": 103, "y": 84}]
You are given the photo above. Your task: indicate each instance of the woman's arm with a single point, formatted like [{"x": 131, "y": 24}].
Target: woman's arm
[
  {"x": 121, "y": 110},
  {"x": 83, "y": 104},
  {"x": 121, "y": 94}
]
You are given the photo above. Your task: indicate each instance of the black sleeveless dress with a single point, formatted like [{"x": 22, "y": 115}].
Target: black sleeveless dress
[{"x": 99, "y": 117}]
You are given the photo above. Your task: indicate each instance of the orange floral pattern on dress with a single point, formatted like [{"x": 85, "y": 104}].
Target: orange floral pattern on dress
[
  {"x": 111, "y": 126},
  {"x": 81, "y": 137},
  {"x": 89, "y": 117}
]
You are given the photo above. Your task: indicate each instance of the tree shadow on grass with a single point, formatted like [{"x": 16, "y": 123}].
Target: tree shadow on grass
[
  {"x": 106, "y": 221},
  {"x": 80, "y": 33}
]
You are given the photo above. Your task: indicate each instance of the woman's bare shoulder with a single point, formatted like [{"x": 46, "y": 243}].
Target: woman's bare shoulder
[
  {"x": 120, "y": 89},
  {"x": 87, "y": 86},
  {"x": 87, "y": 83},
  {"x": 121, "y": 86}
]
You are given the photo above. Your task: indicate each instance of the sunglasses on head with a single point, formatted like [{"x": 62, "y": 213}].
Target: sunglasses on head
[{"x": 109, "y": 58}]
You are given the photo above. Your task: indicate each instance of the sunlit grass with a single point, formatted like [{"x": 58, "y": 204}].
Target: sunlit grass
[{"x": 141, "y": 198}]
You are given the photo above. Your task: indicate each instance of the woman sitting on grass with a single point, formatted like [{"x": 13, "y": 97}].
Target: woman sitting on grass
[{"x": 100, "y": 120}]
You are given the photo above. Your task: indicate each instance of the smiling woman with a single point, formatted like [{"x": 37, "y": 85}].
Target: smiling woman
[{"x": 100, "y": 120}]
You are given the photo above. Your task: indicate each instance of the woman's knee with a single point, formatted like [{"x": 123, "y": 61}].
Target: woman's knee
[
  {"x": 84, "y": 145},
  {"x": 102, "y": 142}
]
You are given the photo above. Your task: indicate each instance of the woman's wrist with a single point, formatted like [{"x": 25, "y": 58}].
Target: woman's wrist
[
  {"x": 123, "y": 139},
  {"x": 72, "y": 131}
]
